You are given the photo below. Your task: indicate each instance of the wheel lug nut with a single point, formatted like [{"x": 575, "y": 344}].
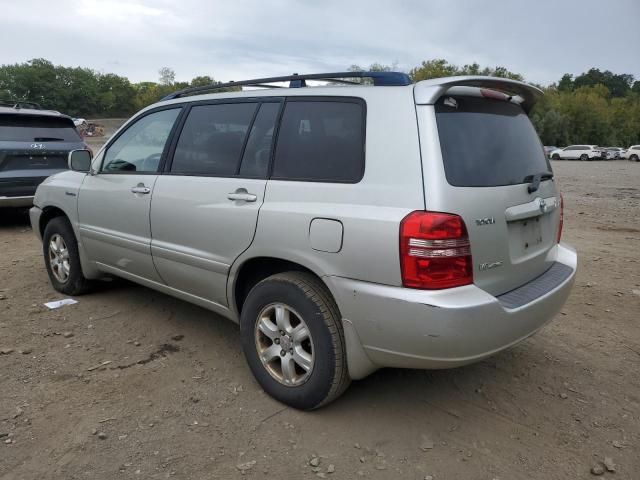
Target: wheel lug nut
[
  {"x": 282, "y": 353},
  {"x": 291, "y": 350},
  {"x": 277, "y": 341}
]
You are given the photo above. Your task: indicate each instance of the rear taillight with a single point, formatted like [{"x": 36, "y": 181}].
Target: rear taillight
[
  {"x": 434, "y": 251},
  {"x": 560, "y": 224}
]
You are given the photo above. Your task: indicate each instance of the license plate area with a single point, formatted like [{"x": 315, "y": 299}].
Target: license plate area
[{"x": 526, "y": 238}]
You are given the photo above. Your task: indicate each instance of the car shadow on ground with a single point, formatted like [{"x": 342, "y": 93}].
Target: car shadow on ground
[
  {"x": 14, "y": 217},
  {"x": 453, "y": 393}
]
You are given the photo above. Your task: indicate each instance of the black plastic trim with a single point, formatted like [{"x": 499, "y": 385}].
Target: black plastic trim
[{"x": 536, "y": 288}]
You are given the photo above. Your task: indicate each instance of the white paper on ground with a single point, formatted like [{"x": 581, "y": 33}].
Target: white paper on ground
[{"x": 60, "y": 303}]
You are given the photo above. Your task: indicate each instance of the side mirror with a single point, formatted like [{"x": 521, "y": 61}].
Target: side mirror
[{"x": 79, "y": 160}]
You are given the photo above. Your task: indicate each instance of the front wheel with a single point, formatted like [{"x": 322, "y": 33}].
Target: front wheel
[
  {"x": 555, "y": 156},
  {"x": 633, "y": 158},
  {"x": 62, "y": 259},
  {"x": 293, "y": 340},
  {"x": 584, "y": 157}
]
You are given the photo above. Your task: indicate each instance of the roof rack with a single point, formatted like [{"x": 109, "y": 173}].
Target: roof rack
[
  {"x": 386, "y": 79},
  {"x": 19, "y": 104}
]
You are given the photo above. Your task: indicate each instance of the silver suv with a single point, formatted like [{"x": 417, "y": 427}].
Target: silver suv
[{"x": 368, "y": 222}]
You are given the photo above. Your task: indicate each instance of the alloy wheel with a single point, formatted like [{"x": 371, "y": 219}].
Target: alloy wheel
[
  {"x": 284, "y": 344},
  {"x": 59, "y": 258}
]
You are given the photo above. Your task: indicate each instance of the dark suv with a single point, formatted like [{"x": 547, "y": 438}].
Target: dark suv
[{"x": 34, "y": 144}]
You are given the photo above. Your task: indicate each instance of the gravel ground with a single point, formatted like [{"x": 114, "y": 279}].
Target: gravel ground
[{"x": 130, "y": 383}]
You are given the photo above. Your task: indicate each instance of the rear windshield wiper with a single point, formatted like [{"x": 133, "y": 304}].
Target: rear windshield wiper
[
  {"x": 534, "y": 180},
  {"x": 48, "y": 139}
]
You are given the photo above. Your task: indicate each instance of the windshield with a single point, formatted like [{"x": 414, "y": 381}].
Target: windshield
[
  {"x": 36, "y": 128},
  {"x": 487, "y": 143}
]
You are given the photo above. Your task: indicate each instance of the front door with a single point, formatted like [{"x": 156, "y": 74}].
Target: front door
[
  {"x": 205, "y": 206},
  {"x": 114, "y": 203}
]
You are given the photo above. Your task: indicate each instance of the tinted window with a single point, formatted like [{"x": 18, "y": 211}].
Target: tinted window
[
  {"x": 255, "y": 161},
  {"x": 212, "y": 139},
  {"x": 487, "y": 142},
  {"x": 37, "y": 128},
  {"x": 321, "y": 141},
  {"x": 140, "y": 147}
]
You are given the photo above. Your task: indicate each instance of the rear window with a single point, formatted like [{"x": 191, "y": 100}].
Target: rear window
[
  {"x": 321, "y": 141},
  {"x": 487, "y": 143},
  {"x": 35, "y": 128}
]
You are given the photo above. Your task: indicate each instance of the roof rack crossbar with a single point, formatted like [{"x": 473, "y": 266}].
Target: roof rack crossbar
[{"x": 379, "y": 79}]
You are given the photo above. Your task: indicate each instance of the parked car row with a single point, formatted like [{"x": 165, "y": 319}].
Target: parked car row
[{"x": 593, "y": 152}]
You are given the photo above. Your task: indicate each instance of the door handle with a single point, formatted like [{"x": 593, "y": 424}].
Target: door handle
[
  {"x": 242, "y": 195},
  {"x": 140, "y": 188}
]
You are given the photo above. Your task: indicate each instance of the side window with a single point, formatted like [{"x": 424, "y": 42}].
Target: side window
[
  {"x": 321, "y": 141},
  {"x": 255, "y": 161},
  {"x": 212, "y": 139},
  {"x": 140, "y": 147}
]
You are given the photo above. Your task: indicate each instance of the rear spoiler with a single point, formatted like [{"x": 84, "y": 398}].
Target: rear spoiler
[{"x": 427, "y": 92}]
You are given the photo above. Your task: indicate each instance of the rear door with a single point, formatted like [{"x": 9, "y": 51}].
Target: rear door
[
  {"x": 205, "y": 205},
  {"x": 483, "y": 171}
]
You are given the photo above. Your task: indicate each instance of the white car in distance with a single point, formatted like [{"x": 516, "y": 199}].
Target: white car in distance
[
  {"x": 633, "y": 153},
  {"x": 577, "y": 152}
]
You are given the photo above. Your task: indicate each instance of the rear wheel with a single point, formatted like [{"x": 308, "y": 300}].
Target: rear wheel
[
  {"x": 62, "y": 259},
  {"x": 293, "y": 340},
  {"x": 633, "y": 158},
  {"x": 584, "y": 157}
]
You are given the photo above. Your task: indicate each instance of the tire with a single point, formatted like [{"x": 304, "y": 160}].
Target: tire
[
  {"x": 308, "y": 300},
  {"x": 555, "y": 156},
  {"x": 584, "y": 157},
  {"x": 65, "y": 274},
  {"x": 633, "y": 158}
]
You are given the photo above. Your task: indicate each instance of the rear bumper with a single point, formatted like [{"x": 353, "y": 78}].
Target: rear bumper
[
  {"x": 400, "y": 327},
  {"x": 23, "y": 201}
]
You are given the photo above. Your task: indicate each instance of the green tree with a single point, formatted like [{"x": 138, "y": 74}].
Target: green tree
[
  {"x": 439, "y": 67},
  {"x": 202, "y": 81}
]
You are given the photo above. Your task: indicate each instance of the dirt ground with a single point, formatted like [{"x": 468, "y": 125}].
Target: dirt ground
[{"x": 130, "y": 383}]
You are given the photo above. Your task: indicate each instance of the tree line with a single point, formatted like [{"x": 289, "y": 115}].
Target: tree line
[{"x": 595, "y": 107}]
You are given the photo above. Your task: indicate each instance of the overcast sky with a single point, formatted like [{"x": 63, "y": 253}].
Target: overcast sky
[{"x": 236, "y": 39}]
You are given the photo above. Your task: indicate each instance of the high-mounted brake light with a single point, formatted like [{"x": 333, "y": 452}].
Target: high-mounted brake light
[
  {"x": 561, "y": 223},
  {"x": 434, "y": 251},
  {"x": 488, "y": 93}
]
